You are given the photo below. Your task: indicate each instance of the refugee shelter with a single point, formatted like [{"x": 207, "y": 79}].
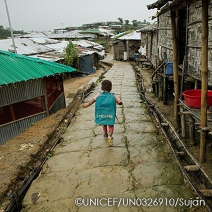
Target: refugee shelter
[
  {"x": 185, "y": 39},
  {"x": 89, "y": 55},
  {"x": 30, "y": 89},
  {"x": 149, "y": 42},
  {"x": 126, "y": 44}
]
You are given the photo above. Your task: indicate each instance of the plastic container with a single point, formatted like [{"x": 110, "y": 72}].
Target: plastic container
[
  {"x": 125, "y": 55},
  {"x": 193, "y": 98},
  {"x": 168, "y": 68}
]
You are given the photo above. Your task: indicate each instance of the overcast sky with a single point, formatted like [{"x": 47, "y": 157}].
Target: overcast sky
[{"x": 43, "y": 15}]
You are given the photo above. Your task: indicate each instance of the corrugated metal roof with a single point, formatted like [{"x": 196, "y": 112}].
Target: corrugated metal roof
[
  {"x": 23, "y": 46},
  {"x": 134, "y": 35},
  {"x": 88, "y": 44},
  {"x": 72, "y": 35},
  {"x": 59, "y": 47},
  {"x": 43, "y": 40},
  {"x": 16, "y": 68}
]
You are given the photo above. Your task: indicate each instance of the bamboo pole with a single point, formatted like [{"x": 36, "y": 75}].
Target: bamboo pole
[
  {"x": 183, "y": 122},
  {"x": 192, "y": 168},
  {"x": 204, "y": 86},
  {"x": 175, "y": 67},
  {"x": 206, "y": 192},
  {"x": 127, "y": 43},
  {"x": 147, "y": 46},
  {"x": 165, "y": 90},
  {"x": 151, "y": 44},
  {"x": 191, "y": 130}
]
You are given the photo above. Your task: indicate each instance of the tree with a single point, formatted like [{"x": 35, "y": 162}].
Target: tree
[
  {"x": 71, "y": 54},
  {"x": 5, "y": 32},
  {"x": 127, "y": 22},
  {"x": 120, "y": 20},
  {"x": 135, "y": 23}
]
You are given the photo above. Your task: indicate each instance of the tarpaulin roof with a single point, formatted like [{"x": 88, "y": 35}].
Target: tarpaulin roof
[{"x": 16, "y": 68}]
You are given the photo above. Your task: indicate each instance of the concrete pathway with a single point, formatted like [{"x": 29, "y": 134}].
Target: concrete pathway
[{"x": 139, "y": 173}]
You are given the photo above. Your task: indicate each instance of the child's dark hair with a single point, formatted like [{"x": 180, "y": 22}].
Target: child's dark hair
[{"x": 106, "y": 85}]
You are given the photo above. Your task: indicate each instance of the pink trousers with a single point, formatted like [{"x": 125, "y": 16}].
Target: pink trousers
[{"x": 108, "y": 129}]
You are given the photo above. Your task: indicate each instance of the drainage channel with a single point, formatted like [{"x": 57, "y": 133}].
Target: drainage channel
[
  {"x": 192, "y": 171},
  {"x": 15, "y": 204}
]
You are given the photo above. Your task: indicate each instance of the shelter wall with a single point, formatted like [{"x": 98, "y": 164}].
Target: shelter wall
[
  {"x": 165, "y": 36},
  {"x": 194, "y": 40},
  {"x": 24, "y": 103},
  {"x": 149, "y": 39},
  {"x": 22, "y": 91},
  {"x": 119, "y": 49}
]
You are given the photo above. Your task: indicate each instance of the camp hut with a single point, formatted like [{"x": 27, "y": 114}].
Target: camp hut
[
  {"x": 185, "y": 38},
  {"x": 89, "y": 55},
  {"x": 88, "y": 62},
  {"x": 149, "y": 42},
  {"x": 126, "y": 44},
  {"x": 30, "y": 89}
]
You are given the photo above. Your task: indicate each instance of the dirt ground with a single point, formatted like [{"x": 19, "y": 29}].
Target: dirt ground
[
  {"x": 21, "y": 156},
  {"x": 167, "y": 110}
]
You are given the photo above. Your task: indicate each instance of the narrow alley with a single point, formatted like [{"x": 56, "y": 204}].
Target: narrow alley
[{"x": 138, "y": 173}]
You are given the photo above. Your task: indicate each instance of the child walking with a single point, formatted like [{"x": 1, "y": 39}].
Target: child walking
[{"x": 105, "y": 109}]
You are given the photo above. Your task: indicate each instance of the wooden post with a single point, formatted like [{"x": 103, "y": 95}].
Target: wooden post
[
  {"x": 175, "y": 67},
  {"x": 160, "y": 89},
  {"x": 183, "y": 123},
  {"x": 151, "y": 43},
  {"x": 191, "y": 130},
  {"x": 153, "y": 87},
  {"x": 196, "y": 84},
  {"x": 127, "y": 42},
  {"x": 156, "y": 89},
  {"x": 204, "y": 86},
  {"x": 147, "y": 46},
  {"x": 165, "y": 89}
]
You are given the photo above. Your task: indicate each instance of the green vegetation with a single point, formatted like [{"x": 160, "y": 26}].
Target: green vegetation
[
  {"x": 121, "y": 21},
  {"x": 71, "y": 54},
  {"x": 135, "y": 24},
  {"x": 5, "y": 32}
]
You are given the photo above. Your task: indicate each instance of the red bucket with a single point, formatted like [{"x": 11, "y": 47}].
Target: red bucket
[{"x": 193, "y": 98}]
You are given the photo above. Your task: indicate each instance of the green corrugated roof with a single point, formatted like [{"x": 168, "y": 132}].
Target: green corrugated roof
[{"x": 16, "y": 68}]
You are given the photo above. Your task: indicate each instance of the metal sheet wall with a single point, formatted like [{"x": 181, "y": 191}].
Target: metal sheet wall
[
  {"x": 59, "y": 104},
  {"x": 18, "y": 92},
  {"x": 13, "y": 129}
]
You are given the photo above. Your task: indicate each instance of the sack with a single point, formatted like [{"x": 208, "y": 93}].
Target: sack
[{"x": 105, "y": 109}]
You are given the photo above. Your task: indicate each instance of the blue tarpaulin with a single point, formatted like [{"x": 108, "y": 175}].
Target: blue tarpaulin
[{"x": 86, "y": 64}]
